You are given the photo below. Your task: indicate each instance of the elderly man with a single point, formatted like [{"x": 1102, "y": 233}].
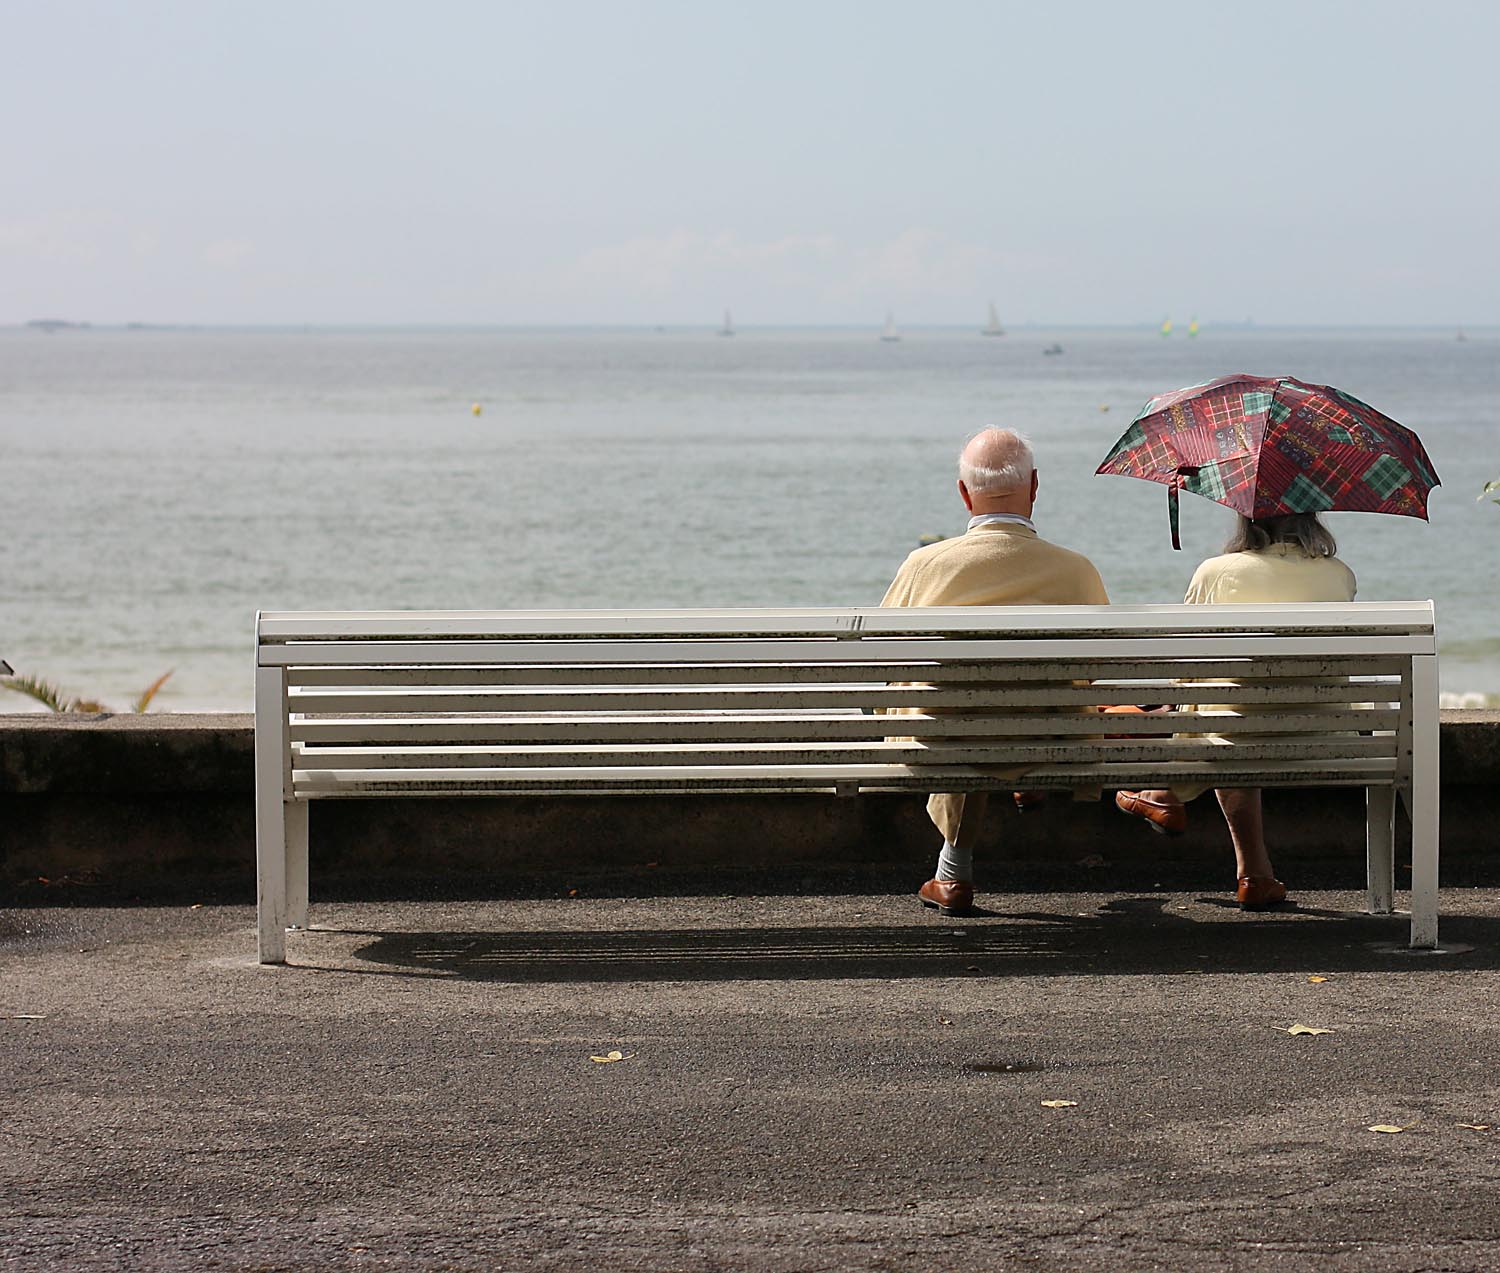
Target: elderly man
[{"x": 999, "y": 561}]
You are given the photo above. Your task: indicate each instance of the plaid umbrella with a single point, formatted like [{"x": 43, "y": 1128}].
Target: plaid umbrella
[{"x": 1267, "y": 445}]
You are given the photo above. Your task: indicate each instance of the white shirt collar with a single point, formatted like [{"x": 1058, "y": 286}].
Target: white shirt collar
[{"x": 989, "y": 519}]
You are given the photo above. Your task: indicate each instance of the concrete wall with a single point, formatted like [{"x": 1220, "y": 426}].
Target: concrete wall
[{"x": 145, "y": 806}]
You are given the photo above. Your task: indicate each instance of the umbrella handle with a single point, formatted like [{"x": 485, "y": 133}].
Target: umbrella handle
[{"x": 1184, "y": 471}]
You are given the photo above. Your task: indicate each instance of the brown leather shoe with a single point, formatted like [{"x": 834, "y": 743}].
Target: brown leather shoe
[
  {"x": 1259, "y": 892},
  {"x": 1028, "y": 801},
  {"x": 1169, "y": 819},
  {"x": 951, "y": 897}
]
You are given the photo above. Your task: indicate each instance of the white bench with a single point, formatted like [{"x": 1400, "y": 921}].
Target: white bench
[{"x": 688, "y": 701}]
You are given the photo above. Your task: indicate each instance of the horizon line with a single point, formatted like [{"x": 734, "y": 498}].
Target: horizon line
[{"x": 1152, "y": 325}]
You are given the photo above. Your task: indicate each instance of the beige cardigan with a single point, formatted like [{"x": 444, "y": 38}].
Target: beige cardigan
[{"x": 997, "y": 564}]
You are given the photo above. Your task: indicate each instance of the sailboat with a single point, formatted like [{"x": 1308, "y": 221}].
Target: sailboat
[
  {"x": 992, "y": 328},
  {"x": 889, "y": 332},
  {"x": 1193, "y": 327},
  {"x": 728, "y": 328},
  {"x": 1166, "y": 328}
]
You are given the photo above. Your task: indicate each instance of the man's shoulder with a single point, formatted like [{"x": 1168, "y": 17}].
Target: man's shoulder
[
  {"x": 936, "y": 554},
  {"x": 1060, "y": 548},
  {"x": 998, "y": 543},
  {"x": 1065, "y": 554}
]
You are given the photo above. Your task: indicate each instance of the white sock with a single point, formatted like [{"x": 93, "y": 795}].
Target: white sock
[{"x": 955, "y": 864}]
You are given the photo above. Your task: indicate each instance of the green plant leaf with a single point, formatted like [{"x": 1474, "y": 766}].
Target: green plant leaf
[
  {"x": 144, "y": 700},
  {"x": 51, "y": 696},
  {"x": 34, "y": 687}
]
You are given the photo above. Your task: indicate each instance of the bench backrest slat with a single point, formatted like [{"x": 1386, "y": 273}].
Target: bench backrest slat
[
  {"x": 427, "y": 675},
  {"x": 398, "y": 626},
  {"x": 729, "y": 727},
  {"x": 819, "y": 697},
  {"x": 865, "y": 777},
  {"x": 863, "y": 651}
]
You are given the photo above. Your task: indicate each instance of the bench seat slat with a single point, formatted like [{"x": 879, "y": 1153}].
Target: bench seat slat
[{"x": 747, "y": 728}]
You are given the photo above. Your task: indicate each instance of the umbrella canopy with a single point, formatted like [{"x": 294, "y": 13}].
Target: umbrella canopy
[{"x": 1269, "y": 445}]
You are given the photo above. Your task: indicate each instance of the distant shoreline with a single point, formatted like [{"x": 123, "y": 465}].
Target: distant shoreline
[{"x": 1240, "y": 327}]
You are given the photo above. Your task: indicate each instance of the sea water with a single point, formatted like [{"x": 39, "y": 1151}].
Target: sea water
[{"x": 157, "y": 487}]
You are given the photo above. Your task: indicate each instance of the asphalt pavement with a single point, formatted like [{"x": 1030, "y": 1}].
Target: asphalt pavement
[{"x": 1069, "y": 1081}]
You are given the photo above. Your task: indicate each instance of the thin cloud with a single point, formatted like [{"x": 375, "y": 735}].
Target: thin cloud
[
  {"x": 662, "y": 264},
  {"x": 73, "y": 236},
  {"x": 228, "y": 253},
  {"x": 802, "y": 274}
]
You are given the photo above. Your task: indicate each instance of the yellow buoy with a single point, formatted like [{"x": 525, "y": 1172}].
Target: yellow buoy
[{"x": 476, "y": 408}]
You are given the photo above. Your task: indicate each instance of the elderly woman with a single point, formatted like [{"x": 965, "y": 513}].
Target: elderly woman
[{"x": 1288, "y": 558}]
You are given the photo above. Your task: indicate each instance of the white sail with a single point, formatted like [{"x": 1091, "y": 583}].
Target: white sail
[
  {"x": 993, "y": 328},
  {"x": 889, "y": 332},
  {"x": 728, "y": 328}
]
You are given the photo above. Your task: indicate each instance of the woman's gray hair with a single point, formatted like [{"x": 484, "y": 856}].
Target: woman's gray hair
[
  {"x": 1302, "y": 529},
  {"x": 1009, "y": 477}
]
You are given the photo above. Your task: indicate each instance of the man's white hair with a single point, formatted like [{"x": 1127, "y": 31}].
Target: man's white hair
[{"x": 983, "y": 480}]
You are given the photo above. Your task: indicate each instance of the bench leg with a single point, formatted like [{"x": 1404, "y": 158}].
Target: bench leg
[
  {"x": 296, "y": 863},
  {"x": 270, "y": 880},
  {"x": 1380, "y": 849},
  {"x": 270, "y": 814},
  {"x": 1422, "y": 804}
]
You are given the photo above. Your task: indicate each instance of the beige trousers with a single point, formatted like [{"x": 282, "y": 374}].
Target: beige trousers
[{"x": 958, "y": 815}]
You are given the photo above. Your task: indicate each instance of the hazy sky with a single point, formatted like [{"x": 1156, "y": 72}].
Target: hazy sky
[{"x": 818, "y": 161}]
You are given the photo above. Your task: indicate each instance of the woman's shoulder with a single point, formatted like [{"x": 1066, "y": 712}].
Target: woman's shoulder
[
  {"x": 1206, "y": 581},
  {"x": 1214, "y": 567},
  {"x": 1260, "y": 574}
]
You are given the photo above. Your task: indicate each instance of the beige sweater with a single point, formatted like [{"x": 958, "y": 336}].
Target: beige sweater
[
  {"x": 999, "y": 564},
  {"x": 1280, "y": 572}
]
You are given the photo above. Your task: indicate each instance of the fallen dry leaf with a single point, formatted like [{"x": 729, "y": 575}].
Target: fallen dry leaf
[
  {"x": 1058, "y": 1104},
  {"x": 1299, "y": 1028},
  {"x": 1476, "y": 1127},
  {"x": 1388, "y": 1128},
  {"x": 1316, "y": 978},
  {"x": 610, "y": 1056}
]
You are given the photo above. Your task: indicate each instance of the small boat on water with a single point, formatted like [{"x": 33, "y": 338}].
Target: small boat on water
[
  {"x": 889, "y": 332},
  {"x": 1052, "y": 349},
  {"x": 1193, "y": 327},
  {"x": 728, "y": 328},
  {"x": 992, "y": 328},
  {"x": 1166, "y": 327}
]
